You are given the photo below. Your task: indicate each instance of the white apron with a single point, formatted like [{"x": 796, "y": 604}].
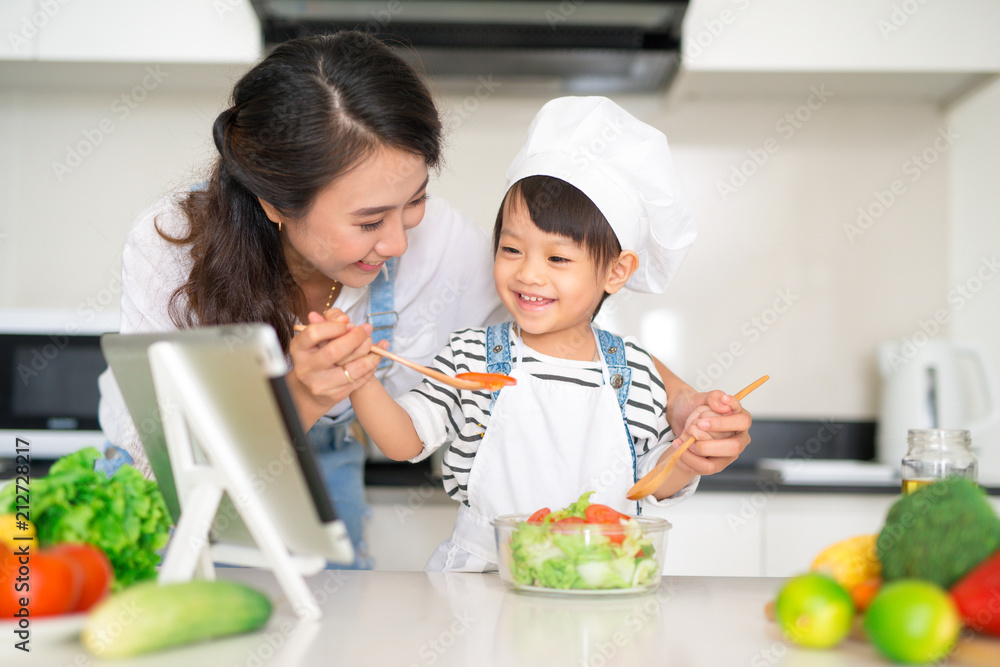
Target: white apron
[{"x": 547, "y": 442}]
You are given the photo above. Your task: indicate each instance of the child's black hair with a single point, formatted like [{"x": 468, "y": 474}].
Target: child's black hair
[{"x": 556, "y": 207}]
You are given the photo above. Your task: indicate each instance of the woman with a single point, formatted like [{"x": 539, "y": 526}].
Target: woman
[{"x": 316, "y": 211}]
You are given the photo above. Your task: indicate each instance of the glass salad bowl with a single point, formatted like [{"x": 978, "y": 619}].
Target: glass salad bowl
[{"x": 577, "y": 558}]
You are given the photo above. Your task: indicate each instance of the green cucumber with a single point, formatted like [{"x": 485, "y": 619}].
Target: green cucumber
[{"x": 150, "y": 616}]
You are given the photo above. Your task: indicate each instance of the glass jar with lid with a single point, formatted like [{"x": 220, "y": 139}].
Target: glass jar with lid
[{"x": 934, "y": 454}]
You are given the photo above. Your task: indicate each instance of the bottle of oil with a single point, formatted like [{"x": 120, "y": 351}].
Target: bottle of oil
[{"x": 934, "y": 454}]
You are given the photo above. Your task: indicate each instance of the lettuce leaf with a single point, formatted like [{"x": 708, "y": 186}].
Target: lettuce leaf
[{"x": 123, "y": 515}]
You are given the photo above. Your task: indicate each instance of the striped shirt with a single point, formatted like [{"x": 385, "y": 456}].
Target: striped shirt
[{"x": 443, "y": 415}]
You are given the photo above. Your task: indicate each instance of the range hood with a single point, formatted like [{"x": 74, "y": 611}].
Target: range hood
[{"x": 580, "y": 46}]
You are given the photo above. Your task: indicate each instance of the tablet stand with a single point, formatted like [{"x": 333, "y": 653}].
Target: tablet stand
[{"x": 202, "y": 477}]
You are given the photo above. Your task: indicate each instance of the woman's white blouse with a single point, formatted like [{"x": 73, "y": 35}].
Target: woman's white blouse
[{"x": 444, "y": 282}]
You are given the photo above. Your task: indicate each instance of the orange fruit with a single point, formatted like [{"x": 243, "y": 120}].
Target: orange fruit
[
  {"x": 814, "y": 611},
  {"x": 864, "y": 593},
  {"x": 913, "y": 621},
  {"x": 17, "y": 533}
]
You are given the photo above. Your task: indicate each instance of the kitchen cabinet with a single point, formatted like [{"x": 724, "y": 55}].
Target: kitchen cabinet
[
  {"x": 764, "y": 532},
  {"x": 407, "y": 524},
  {"x": 797, "y": 526},
  {"x": 118, "y": 31},
  {"x": 714, "y": 534},
  {"x": 909, "y": 49}
]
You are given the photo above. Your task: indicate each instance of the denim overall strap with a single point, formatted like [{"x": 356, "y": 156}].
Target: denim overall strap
[
  {"x": 498, "y": 353},
  {"x": 382, "y": 305},
  {"x": 620, "y": 378}
]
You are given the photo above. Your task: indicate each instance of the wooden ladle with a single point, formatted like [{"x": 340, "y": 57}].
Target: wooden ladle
[
  {"x": 652, "y": 480},
  {"x": 467, "y": 381}
]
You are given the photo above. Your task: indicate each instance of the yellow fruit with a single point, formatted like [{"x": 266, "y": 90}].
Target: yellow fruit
[
  {"x": 913, "y": 621},
  {"x": 814, "y": 611},
  {"x": 15, "y": 533},
  {"x": 851, "y": 562}
]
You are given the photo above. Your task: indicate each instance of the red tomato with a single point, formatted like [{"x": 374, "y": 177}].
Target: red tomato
[
  {"x": 49, "y": 585},
  {"x": 539, "y": 515},
  {"x": 94, "y": 570},
  {"x": 975, "y": 595},
  {"x": 566, "y": 521},
  {"x": 597, "y": 513}
]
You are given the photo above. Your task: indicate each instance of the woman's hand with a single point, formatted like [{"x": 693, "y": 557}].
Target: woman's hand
[
  {"x": 330, "y": 359},
  {"x": 719, "y": 424}
]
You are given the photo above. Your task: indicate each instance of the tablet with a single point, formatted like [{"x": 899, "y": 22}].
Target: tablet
[{"x": 239, "y": 378}]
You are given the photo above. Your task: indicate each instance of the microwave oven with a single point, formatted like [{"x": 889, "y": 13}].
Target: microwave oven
[{"x": 49, "y": 364}]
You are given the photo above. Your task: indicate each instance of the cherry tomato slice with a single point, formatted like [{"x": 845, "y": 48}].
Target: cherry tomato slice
[
  {"x": 571, "y": 519},
  {"x": 491, "y": 381},
  {"x": 53, "y": 586},
  {"x": 598, "y": 513},
  {"x": 539, "y": 515},
  {"x": 94, "y": 569}
]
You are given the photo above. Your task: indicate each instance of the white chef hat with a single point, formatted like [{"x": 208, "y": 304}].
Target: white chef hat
[{"x": 623, "y": 165}]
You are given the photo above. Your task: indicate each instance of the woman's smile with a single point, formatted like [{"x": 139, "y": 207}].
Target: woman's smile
[{"x": 368, "y": 266}]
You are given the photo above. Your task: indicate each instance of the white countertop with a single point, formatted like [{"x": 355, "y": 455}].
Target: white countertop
[{"x": 420, "y": 619}]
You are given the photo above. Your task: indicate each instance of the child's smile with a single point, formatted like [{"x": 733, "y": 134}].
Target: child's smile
[
  {"x": 531, "y": 302},
  {"x": 549, "y": 284}
]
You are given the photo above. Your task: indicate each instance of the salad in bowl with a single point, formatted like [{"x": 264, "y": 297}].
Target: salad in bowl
[{"x": 585, "y": 548}]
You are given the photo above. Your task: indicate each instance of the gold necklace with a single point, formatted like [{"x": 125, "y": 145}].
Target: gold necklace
[{"x": 333, "y": 295}]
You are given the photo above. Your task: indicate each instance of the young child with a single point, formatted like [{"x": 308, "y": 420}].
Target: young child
[{"x": 594, "y": 206}]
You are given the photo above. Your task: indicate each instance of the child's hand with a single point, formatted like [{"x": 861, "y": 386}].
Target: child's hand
[{"x": 720, "y": 426}]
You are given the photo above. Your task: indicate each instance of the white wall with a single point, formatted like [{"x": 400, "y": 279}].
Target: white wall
[
  {"x": 778, "y": 242},
  {"x": 784, "y": 232},
  {"x": 974, "y": 260}
]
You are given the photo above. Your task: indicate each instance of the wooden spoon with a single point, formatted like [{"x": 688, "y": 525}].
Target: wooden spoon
[
  {"x": 652, "y": 480},
  {"x": 471, "y": 381},
  {"x": 467, "y": 381}
]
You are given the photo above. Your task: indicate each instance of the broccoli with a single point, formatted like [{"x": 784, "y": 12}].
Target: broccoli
[{"x": 938, "y": 533}]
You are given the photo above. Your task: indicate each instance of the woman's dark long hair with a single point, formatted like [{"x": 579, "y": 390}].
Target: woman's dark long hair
[{"x": 306, "y": 114}]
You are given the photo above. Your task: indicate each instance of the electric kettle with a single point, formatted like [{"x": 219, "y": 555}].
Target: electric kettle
[{"x": 937, "y": 384}]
